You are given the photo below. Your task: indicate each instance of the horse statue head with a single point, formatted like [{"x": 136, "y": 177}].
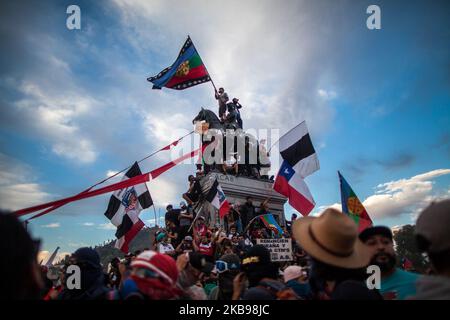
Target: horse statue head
[{"x": 209, "y": 117}]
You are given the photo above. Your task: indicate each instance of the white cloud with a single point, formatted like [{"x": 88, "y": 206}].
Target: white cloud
[
  {"x": 107, "y": 226},
  {"x": 77, "y": 244},
  {"x": 88, "y": 224},
  {"x": 164, "y": 191},
  {"x": 17, "y": 187},
  {"x": 44, "y": 255},
  {"x": 111, "y": 173},
  {"x": 326, "y": 94},
  {"x": 51, "y": 225},
  {"x": 55, "y": 118},
  {"x": 403, "y": 196},
  {"x": 276, "y": 78},
  {"x": 319, "y": 210}
]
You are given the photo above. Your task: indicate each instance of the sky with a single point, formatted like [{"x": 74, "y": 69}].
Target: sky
[{"x": 76, "y": 107}]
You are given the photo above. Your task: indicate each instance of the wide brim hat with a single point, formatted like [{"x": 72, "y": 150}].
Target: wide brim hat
[{"x": 332, "y": 238}]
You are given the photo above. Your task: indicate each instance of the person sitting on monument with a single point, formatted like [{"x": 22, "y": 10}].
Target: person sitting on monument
[
  {"x": 194, "y": 191},
  {"x": 230, "y": 164}
]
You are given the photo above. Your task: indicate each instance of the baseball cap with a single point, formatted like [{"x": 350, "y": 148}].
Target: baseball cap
[
  {"x": 162, "y": 264},
  {"x": 188, "y": 238},
  {"x": 432, "y": 231},
  {"x": 292, "y": 272},
  {"x": 372, "y": 231}
]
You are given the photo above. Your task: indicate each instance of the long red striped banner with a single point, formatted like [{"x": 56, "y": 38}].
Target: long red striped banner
[{"x": 113, "y": 187}]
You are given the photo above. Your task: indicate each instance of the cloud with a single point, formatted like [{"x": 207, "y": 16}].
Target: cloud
[
  {"x": 397, "y": 161},
  {"x": 165, "y": 191},
  {"x": 88, "y": 224},
  {"x": 111, "y": 173},
  {"x": 242, "y": 62},
  {"x": 327, "y": 95},
  {"x": 107, "y": 226},
  {"x": 55, "y": 116},
  {"x": 403, "y": 196},
  {"x": 77, "y": 244},
  {"x": 44, "y": 255},
  {"x": 17, "y": 187},
  {"x": 51, "y": 225}
]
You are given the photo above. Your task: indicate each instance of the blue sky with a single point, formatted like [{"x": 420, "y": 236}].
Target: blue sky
[{"x": 75, "y": 104}]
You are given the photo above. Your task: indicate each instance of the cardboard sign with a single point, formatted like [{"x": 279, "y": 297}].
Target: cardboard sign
[{"x": 280, "y": 249}]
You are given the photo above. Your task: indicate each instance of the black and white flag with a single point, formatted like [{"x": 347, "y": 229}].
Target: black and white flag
[
  {"x": 298, "y": 151},
  {"x": 124, "y": 208}
]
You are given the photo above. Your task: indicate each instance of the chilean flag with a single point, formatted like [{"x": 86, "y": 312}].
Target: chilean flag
[
  {"x": 217, "y": 198},
  {"x": 291, "y": 184}
]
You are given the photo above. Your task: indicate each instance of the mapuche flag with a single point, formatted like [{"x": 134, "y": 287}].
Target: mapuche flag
[
  {"x": 299, "y": 161},
  {"x": 272, "y": 224},
  {"x": 187, "y": 71},
  {"x": 352, "y": 206},
  {"x": 124, "y": 208}
]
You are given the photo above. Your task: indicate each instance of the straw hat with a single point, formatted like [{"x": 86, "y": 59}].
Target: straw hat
[{"x": 332, "y": 238}]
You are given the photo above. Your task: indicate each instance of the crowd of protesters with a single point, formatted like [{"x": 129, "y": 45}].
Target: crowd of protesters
[{"x": 330, "y": 262}]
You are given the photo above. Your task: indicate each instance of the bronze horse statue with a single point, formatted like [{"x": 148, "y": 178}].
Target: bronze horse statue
[{"x": 248, "y": 156}]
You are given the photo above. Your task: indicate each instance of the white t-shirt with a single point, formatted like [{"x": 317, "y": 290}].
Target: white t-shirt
[{"x": 165, "y": 247}]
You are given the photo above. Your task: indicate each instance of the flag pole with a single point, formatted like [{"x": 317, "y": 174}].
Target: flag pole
[
  {"x": 154, "y": 211},
  {"x": 159, "y": 211},
  {"x": 212, "y": 82}
]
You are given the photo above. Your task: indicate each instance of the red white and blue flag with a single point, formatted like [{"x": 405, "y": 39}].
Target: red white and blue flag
[
  {"x": 299, "y": 161},
  {"x": 217, "y": 198}
]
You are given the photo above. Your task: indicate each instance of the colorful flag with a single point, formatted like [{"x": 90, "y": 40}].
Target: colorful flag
[
  {"x": 300, "y": 160},
  {"x": 270, "y": 223},
  {"x": 124, "y": 208},
  {"x": 352, "y": 206},
  {"x": 217, "y": 198},
  {"x": 187, "y": 71}
]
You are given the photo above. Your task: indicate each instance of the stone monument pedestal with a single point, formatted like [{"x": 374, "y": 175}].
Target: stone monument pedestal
[{"x": 237, "y": 189}]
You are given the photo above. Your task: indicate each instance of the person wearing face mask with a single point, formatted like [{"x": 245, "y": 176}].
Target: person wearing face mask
[
  {"x": 396, "y": 284},
  {"x": 227, "y": 267},
  {"x": 92, "y": 277}
]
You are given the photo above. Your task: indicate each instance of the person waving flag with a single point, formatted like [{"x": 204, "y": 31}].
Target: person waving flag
[{"x": 187, "y": 71}]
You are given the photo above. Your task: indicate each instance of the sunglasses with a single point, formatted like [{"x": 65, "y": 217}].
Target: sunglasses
[
  {"x": 146, "y": 273},
  {"x": 222, "y": 266}
]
